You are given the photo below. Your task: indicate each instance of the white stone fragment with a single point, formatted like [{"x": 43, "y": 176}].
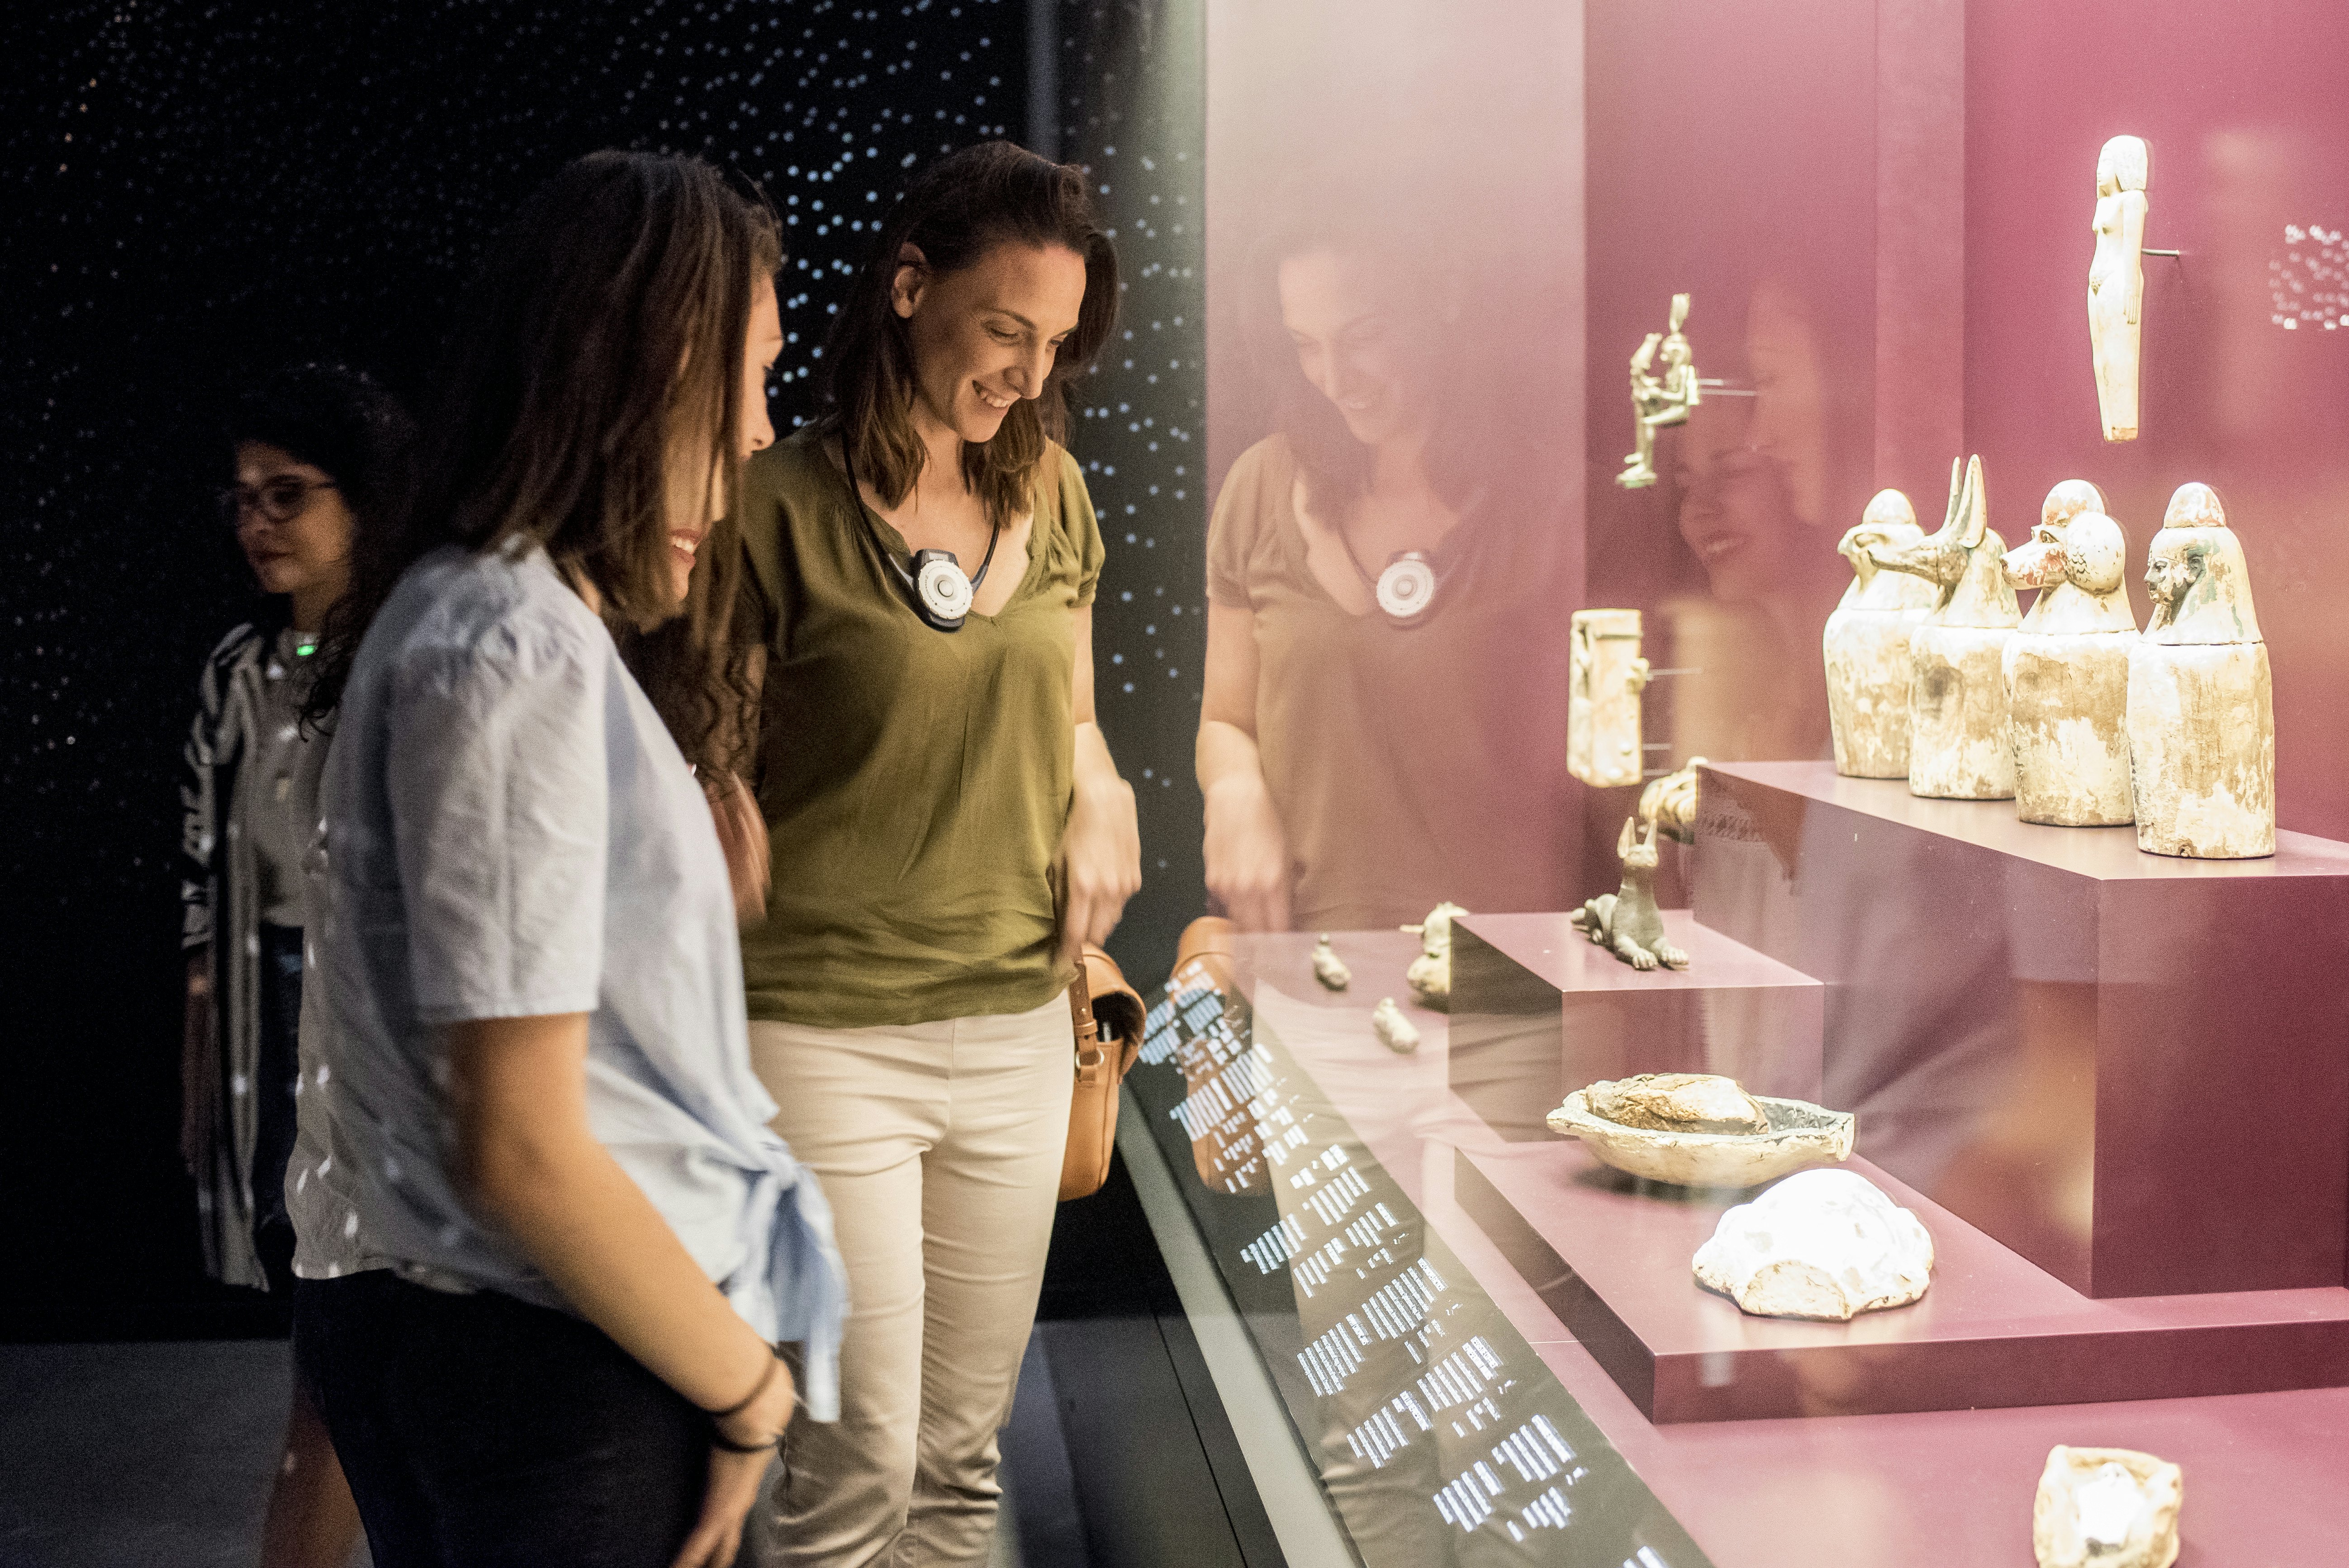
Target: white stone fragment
[
  {"x": 1395, "y": 1031},
  {"x": 1822, "y": 1244},
  {"x": 2107, "y": 1508}
]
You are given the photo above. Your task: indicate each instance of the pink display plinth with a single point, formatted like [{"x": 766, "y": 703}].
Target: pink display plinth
[
  {"x": 1613, "y": 1259},
  {"x": 1539, "y": 1011},
  {"x": 2131, "y": 1068}
]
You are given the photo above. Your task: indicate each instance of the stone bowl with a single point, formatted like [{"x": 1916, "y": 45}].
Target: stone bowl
[{"x": 1801, "y": 1135}]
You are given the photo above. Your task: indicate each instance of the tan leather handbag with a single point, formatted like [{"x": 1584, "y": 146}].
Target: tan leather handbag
[{"x": 1107, "y": 1014}]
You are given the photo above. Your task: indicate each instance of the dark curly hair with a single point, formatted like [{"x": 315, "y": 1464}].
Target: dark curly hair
[{"x": 343, "y": 423}]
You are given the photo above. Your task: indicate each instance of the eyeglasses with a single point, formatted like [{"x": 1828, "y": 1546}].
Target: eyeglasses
[{"x": 280, "y": 499}]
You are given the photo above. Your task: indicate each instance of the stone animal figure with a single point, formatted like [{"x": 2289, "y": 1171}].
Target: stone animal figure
[
  {"x": 1627, "y": 923},
  {"x": 2068, "y": 665},
  {"x": 1959, "y": 747},
  {"x": 1865, "y": 644},
  {"x": 2201, "y": 709}
]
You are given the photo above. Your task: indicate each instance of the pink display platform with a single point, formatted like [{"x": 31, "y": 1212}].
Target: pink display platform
[
  {"x": 1834, "y": 1489},
  {"x": 1539, "y": 1011},
  {"x": 1611, "y": 1257},
  {"x": 2131, "y": 1068}
]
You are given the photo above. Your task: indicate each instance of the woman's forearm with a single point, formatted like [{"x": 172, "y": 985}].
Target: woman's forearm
[
  {"x": 1096, "y": 769},
  {"x": 1226, "y": 753},
  {"x": 531, "y": 1167}
]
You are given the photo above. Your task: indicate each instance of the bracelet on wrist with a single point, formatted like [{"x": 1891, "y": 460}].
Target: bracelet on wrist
[{"x": 720, "y": 1441}]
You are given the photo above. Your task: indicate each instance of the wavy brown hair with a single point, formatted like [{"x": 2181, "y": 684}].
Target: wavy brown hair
[
  {"x": 600, "y": 345},
  {"x": 955, "y": 210}
]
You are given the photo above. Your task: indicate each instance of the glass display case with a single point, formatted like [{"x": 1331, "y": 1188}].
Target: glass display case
[{"x": 1665, "y": 300}]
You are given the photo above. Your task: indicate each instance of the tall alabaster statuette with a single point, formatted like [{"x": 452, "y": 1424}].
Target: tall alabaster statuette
[
  {"x": 2067, "y": 665},
  {"x": 1958, "y": 744},
  {"x": 2201, "y": 714},
  {"x": 1867, "y": 645},
  {"x": 2107, "y": 1508},
  {"x": 1602, "y": 701},
  {"x": 2116, "y": 283}
]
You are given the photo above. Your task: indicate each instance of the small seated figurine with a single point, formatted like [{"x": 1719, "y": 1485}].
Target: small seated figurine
[
  {"x": 1329, "y": 968},
  {"x": 1627, "y": 923},
  {"x": 1429, "y": 974}
]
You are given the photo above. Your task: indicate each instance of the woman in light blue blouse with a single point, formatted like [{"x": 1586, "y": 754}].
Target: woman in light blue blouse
[{"x": 560, "y": 1242}]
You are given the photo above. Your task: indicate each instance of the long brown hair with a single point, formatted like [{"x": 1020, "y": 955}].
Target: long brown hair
[
  {"x": 955, "y": 212},
  {"x": 600, "y": 345}
]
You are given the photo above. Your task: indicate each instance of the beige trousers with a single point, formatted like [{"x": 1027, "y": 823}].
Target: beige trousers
[{"x": 939, "y": 1147}]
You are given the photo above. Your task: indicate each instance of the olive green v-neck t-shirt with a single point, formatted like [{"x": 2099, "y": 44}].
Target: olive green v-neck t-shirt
[{"x": 916, "y": 782}]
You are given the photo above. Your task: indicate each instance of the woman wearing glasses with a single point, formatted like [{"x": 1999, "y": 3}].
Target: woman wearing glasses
[{"x": 320, "y": 456}]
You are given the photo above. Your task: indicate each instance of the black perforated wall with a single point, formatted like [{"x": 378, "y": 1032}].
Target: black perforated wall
[
  {"x": 193, "y": 194},
  {"x": 1133, "y": 96}
]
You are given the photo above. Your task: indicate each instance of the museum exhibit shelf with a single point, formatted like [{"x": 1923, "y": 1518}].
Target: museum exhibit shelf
[
  {"x": 1539, "y": 1011},
  {"x": 2130, "y": 1069},
  {"x": 1611, "y": 1255},
  {"x": 1855, "y": 1482}
]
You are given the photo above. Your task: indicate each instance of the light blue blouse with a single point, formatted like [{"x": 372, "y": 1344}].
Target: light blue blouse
[{"x": 511, "y": 831}]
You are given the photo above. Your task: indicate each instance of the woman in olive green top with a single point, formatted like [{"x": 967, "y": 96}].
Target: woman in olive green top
[{"x": 948, "y": 828}]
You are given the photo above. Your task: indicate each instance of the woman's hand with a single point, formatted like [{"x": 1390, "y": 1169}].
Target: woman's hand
[
  {"x": 742, "y": 835},
  {"x": 733, "y": 1487},
  {"x": 1248, "y": 854},
  {"x": 196, "y": 1057},
  {"x": 1101, "y": 853}
]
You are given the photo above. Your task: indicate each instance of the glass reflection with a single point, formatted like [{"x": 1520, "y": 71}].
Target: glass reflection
[
  {"x": 1383, "y": 576},
  {"x": 1440, "y": 1436}
]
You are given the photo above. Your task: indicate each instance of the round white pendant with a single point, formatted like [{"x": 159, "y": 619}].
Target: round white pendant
[
  {"x": 945, "y": 591},
  {"x": 1407, "y": 587}
]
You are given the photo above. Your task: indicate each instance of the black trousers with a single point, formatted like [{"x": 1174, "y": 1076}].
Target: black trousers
[
  {"x": 482, "y": 1432},
  {"x": 274, "y": 1079}
]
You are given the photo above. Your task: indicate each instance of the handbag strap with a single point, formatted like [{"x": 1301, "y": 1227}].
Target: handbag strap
[{"x": 1092, "y": 1062}]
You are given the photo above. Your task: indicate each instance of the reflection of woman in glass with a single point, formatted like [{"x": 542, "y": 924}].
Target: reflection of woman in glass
[
  {"x": 320, "y": 454},
  {"x": 1382, "y": 723},
  {"x": 1752, "y": 476}
]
